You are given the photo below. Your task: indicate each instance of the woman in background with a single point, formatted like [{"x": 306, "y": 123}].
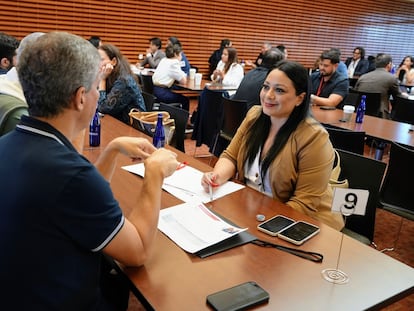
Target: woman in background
[
  {"x": 184, "y": 63},
  {"x": 282, "y": 151},
  {"x": 118, "y": 89},
  {"x": 228, "y": 71},
  {"x": 405, "y": 72}
]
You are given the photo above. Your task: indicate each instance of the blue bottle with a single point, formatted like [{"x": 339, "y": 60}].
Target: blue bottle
[
  {"x": 95, "y": 130},
  {"x": 360, "y": 110},
  {"x": 159, "y": 136}
]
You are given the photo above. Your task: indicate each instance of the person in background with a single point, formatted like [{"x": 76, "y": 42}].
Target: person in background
[
  {"x": 8, "y": 46},
  {"x": 59, "y": 219},
  {"x": 11, "y": 93},
  {"x": 329, "y": 88},
  {"x": 228, "y": 70},
  {"x": 215, "y": 57},
  {"x": 96, "y": 41},
  {"x": 371, "y": 63},
  {"x": 381, "y": 81},
  {"x": 341, "y": 65},
  {"x": 357, "y": 64},
  {"x": 280, "y": 150},
  {"x": 265, "y": 47},
  {"x": 167, "y": 73},
  {"x": 184, "y": 63},
  {"x": 284, "y": 50},
  {"x": 119, "y": 91},
  {"x": 405, "y": 72},
  {"x": 154, "y": 54},
  {"x": 252, "y": 83}
]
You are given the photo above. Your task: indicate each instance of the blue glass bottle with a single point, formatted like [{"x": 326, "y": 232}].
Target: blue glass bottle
[
  {"x": 360, "y": 110},
  {"x": 95, "y": 130},
  {"x": 159, "y": 136}
]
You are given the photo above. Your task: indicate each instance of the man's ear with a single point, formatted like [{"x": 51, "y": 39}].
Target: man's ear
[
  {"x": 79, "y": 98},
  {"x": 4, "y": 63}
]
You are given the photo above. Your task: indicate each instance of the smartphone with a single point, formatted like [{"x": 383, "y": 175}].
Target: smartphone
[
  {"x": 299, "y": 232},
  {"x": 275, "y": 224},
  {"x": 327, "y": 108},
  {"x": 238, "y": 297}
]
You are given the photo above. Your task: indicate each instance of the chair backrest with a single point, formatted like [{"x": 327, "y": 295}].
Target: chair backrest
[
  {"x": 234, "y": 112},
  {"x": 346, "y": 139},
  {"x": 147, "y": 84},
  {"x": 149, "y": 100},
  {"x": 396, "y": 192},
  {"x": 352, "y": 99},
  {"x": 11, "y": 109},
  {"x": 209, "y": 116},
  {"x": 372, "y": 102},
  {"x": 362, "y": 173},
  {"x": 180, "y": 117},
  {"x": 403, "y": 110}
]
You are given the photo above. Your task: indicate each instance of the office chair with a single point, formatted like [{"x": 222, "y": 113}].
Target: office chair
[
  {"x": 362, "y": 173},
  {"x": 150, "y": 101},
  {"x": 180, "y": 117},
  {"x": 234, "y": 112},
  {"x": 396, "y": 191},
  {"x": 372, "y": 102},
  {"x": 147, "y": 84},
  {"x": 346, "y": 139},
  {"x": 208, "y": 119},
  {"x": 403, "y": 110}
]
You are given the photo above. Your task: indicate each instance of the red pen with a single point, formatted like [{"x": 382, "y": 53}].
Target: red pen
[{"x": 181, "y": 165}]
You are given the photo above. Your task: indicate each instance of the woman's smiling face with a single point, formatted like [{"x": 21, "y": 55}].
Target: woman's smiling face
[{"x": 278, "y": 95}]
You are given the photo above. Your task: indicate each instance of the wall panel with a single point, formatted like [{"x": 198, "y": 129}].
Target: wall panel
[{"x": 304, "y": 27}]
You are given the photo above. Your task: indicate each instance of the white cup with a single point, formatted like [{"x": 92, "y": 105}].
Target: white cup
[
  {"x": 192, "y": 73},
  {"x": 348, "y": 111},
  {"x": 198, "y": 77}
]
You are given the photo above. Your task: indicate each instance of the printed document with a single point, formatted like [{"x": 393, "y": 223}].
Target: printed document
[
  {"x": 185, "y": 184},
  {"x": 193, "y": 227}
]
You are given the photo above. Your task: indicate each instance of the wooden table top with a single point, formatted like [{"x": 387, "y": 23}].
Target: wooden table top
[
  {"x": 175, "y": 280},
  {"x": 391, "y": 131}
]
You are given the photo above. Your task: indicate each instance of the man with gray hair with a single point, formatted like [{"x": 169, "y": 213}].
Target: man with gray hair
[
  {"x": 59, "y": 219},
  {"x": 381, "y": 81},
  {"x": 12, "y": 101}
]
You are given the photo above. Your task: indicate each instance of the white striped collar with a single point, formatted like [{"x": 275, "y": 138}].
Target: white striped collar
[{"x": 39, "y": 132}]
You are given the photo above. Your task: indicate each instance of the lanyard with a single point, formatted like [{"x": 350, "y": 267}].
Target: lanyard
[
  {"x": 312, "y": 256},
  {"x": 321, "y": 85}
]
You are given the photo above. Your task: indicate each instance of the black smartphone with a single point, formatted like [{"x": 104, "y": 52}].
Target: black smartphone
[
  {"x": 327, "y": 108},
  {"x": 275, "y": 224},
  {"x": 299, "y": 232},
  {"x": 238, "y": 297}
]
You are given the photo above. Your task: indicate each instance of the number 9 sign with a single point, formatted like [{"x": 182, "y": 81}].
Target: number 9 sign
[{"x": 350, "y": 201}]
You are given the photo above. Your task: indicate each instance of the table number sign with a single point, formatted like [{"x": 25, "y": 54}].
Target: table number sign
[{"x": 349, "y": 201}]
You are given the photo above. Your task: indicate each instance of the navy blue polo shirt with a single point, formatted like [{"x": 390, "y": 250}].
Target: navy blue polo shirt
[
  {"x": 56, "y": 214},
  {"x": 337, "y": 84}
]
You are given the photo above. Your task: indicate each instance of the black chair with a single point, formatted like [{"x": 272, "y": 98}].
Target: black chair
[
  {"x": 362, "y": 173},
  {"x": 352, "y": 99},
  {"x": 403, "y": 110},
  {"x": 147, "y": 84},
  {"x": 372, "y": 102},
  {"x": 396, "y": 191},
  {"x": 234, "y": 112},
  {"x": 208, "y": 119},
  {"x": 346, "y": 139},
  {"x": 150, "y": 101},
  {"x": 180, "y": 117}
]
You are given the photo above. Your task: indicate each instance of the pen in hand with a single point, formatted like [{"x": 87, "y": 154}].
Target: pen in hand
[{"x": 210, "y": 189}]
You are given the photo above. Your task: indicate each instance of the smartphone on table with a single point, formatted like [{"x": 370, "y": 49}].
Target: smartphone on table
[
  {"x": 299, "y": 232},
  {"x": 238, "y": 297},
  {"x": 275, "y": 224}
]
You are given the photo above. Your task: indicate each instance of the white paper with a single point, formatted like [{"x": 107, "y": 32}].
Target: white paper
[
  {"x": 344, "y": 198},
  {"x": 185, "y": 184},
  {"x": 193, "y": 227}
]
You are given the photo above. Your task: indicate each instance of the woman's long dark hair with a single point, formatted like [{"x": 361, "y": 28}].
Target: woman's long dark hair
[
  {"x": 122, "y": 68},
  {"x": 231, "y": 59},
  {"x": 259, "y": 130}
]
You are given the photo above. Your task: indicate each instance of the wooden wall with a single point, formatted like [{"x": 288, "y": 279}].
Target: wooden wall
[{"x": 305, "y": 27}]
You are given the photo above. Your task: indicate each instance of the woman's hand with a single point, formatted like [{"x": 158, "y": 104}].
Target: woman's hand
[
  {"x": 106, "y": 70},
  {"x": 209, "y": 179}
]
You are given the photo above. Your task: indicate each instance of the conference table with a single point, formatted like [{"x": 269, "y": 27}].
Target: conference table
[
  {"x": 175, "y": 280},
  {"x": 384, "y": 129}
]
